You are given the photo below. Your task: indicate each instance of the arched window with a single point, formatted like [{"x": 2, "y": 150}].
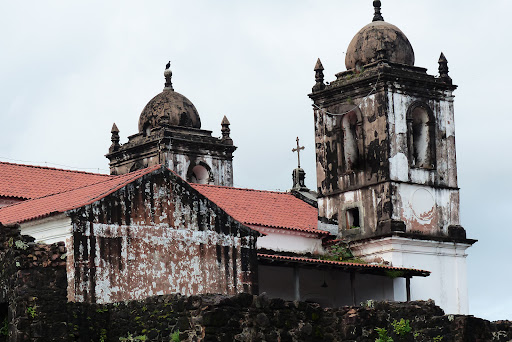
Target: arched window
[
  {"x": 421, "y": 137},
  {"x": 349, "y": 127},
  {"x": 200, "y": 174}
]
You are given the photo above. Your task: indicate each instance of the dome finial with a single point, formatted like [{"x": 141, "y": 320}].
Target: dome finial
[
  {"x": 377, "y": 16},
  {"x": 168, "y": 76}
]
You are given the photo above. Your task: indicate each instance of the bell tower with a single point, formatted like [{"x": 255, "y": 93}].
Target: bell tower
[
  {"x": 386, "y": 166},
  {"x": 170, "y": 133}
]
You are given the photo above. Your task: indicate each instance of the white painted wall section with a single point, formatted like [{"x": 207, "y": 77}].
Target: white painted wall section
[
  {"x": 447, "y": 283},
  {"x": 282, "y": 240},
  {"x": 50, "y": 229}
]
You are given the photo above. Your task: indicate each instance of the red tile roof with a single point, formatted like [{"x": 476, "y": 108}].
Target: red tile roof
[
  {"x": 282, "y": 259},
  {"x": 72, "y": 199},
  {"x": 264, "y": 208},
  {"x": 28, "y": 181}
]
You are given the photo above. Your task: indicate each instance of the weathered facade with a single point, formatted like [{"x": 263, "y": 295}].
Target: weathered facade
[
  {"x": 154, "y": 236},
  {"x": 170, "y": 134},
  {"x": 385, "y": 153},
  {"x": 385, "y": 147}
]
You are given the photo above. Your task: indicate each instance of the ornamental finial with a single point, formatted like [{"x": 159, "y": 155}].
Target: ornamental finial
[
  {"x": 443, "y": 69},
  {"x": 319, "y": 76},
  {"x": 168, "y": 76},
  {"x": 226, "y": 139},
  {"x": 115, "y": 139},
  {"x": 377, "y": 15}
]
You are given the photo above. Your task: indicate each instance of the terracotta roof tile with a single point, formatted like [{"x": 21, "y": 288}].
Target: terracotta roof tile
[
  {"x": 72, "y": 199},
  {"x": 29, "y": 181},
  {"x": 349, "y": 265},
  {"x": 263, "y": 208}
]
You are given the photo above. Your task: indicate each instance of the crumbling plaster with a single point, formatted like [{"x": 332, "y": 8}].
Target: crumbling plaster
[
  {"x": 180, "y": 149},
  {"x": 378, "y": 183},
  {"x": 154, "y": 236}
]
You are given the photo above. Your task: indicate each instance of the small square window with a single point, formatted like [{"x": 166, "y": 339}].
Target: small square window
[{"x": 352, "y": 216}]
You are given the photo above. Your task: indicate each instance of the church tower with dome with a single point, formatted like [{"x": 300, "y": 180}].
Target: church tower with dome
[
  {"x": 386, "y": 164},
  {"x": 170, "y": 134}
]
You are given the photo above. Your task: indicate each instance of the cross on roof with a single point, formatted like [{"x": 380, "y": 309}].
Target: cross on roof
[{"x": 298, "y": 151}]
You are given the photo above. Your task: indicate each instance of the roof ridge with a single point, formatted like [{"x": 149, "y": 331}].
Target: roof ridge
[
  {"x": 241, "y": 189},
  {"x": 57, "y": 169},
  {"x": 139, "y": 174},
  {"x": 148, "y": 169},
  {"x": 305, "y": 230}
]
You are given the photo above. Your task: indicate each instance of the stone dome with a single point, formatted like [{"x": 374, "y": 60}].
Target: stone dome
[
  {"x": 171, "y": 108},
  {"x": 168, "y": 108},
  {"x": 378, "y": 40}
]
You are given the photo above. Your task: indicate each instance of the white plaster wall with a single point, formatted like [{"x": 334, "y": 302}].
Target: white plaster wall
[
  {"x": 426, "y": 209},
  {"x": 50, "y": 229},
  {"x": 447, "y": 283},
  {"x": 281, "y": 240}
]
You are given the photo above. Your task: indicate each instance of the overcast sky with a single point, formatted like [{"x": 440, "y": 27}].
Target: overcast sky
[{"x": 69, "y": 69}]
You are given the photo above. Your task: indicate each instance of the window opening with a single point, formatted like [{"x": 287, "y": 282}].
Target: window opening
[
  {"x": 350, "y": 149},
  {"x": 352, "y": 216},
  {"x": 200, "y": 175},
  {"x": 421, "y": 138}
]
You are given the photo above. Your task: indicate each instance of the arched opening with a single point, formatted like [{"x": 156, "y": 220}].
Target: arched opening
[
  {"x": 147, "y": 130},
  {"x": 199, "y": 174},
  {"x": 349, "y": 125},
  {"x": 420, "y": 126}
]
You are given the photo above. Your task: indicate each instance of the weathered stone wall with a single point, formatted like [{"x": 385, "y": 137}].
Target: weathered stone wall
[
  {"x": 155, "y": 236},
  {"x": 33, "y": 289},
  {"x": 256, "y": 318}
]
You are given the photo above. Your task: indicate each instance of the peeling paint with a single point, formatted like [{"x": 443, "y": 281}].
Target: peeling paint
[{"x": 170, "y": 245}]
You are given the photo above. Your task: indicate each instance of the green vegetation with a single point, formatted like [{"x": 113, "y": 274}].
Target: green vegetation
[
  {"x": 132, "y": 338},
  {"x": 341, "y": 252},
  {"x": 175, "y": 337},
  {"x": 20, "y": 244},
  {"x": 338, "y": 252},
  {"x": 383, "y": 335},
  {"x": 438, "y": 338},
  {"x": 103, "y": 335},
  {"x": 401, "y": 327},
  {"x": 31, "y": 311}
]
